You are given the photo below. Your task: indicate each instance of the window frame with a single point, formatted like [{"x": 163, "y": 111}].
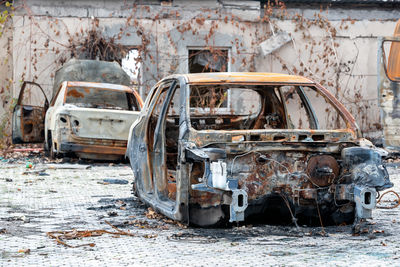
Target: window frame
[{"x": 229, "y": 66}]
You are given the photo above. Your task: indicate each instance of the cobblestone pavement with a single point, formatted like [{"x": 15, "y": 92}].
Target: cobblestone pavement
[{"x": 51, "y": 198}]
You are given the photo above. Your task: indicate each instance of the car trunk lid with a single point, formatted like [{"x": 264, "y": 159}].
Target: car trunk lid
[{"x": 101, "y": 124}]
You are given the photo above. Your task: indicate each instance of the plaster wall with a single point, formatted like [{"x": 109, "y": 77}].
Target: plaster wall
[{"x": 41, "y": 38}]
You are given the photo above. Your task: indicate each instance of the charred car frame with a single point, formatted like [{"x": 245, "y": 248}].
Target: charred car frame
[{"x": 214, "y": 148}]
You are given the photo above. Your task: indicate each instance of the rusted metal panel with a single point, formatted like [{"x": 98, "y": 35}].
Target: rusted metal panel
[
  {"x": 208, "y": 165},
  {"x": 245, "y": 77},
  {"x": 389, "y": 88},
  {"x": 393, "y": 63},
  {"x": 93, "y": 149}
]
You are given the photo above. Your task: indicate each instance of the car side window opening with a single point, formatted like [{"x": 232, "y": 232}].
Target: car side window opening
[
  {"x": 297, "y": 115},
  {"x": 261, "y": 107},
  {"x": 255, "y": 107},
  {"x": 328, "y": 117},
  {"x": 33, "y": 96},
  {"x": 209, "y": 108}
]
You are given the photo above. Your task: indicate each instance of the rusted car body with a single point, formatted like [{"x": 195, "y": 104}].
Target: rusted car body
[
  {"x": 91, "y": 119},
  {"x": 214, "y": 148},
  {"x": 389, "y": 87}
]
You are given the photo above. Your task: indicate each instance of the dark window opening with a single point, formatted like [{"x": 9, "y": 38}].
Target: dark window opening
[{"x": 215, "y": 60}]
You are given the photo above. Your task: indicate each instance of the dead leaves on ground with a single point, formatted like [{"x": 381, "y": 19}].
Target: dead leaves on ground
[
  {"x": 152, "y": 214},
  {"x": 61, "y": 236}
]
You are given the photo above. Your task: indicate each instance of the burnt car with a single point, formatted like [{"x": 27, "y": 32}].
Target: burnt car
[
  {"x": 91, "y": 111},
  {"x": 91, "y": 119},
  {"x": 215, "y": 148}
]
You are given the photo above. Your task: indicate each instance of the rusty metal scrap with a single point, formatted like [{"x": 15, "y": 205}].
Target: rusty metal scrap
[
  {"x": 388, "y": 88},
  {"x": 397, "y": 201}
]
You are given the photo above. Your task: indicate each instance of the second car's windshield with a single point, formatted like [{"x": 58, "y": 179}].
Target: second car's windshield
[{"x": 100, "y": 98}]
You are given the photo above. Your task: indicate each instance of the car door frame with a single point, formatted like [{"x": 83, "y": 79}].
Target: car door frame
[
  {"x": 18, "y": 130},
  {"x": 145, "y": 179}
]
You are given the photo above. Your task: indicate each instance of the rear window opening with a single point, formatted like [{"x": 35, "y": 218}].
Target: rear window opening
[{"x": 87, "y": 97}]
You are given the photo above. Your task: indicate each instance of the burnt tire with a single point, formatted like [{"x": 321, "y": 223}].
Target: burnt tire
[{"x": 49, "y": 152}]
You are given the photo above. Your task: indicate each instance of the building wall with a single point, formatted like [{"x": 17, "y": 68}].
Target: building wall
[
  {"x": 6, "y": 83},
  {"x": 44, "y": 30}
]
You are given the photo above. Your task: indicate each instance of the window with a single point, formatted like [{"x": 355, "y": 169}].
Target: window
[
  {"x": 33, "y": 96},
  {"x": 131, "y": 65},
  {"x": 215, "y": 60},
  {"x": 206, "y": 111},
  {"x": 100, "y": 98},
  {"x": 297, "y": 115},
  {"x": 328, "y": 117}
]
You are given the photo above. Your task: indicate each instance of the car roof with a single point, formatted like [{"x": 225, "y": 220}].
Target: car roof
[
  {"x": 245, "y": 77},
  {"x": 108, "y": 86}
]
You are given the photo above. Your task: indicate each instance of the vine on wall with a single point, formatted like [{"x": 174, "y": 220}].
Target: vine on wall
[{"x": 6, "y": 14}]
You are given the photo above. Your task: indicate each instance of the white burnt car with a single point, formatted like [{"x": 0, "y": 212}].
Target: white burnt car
[{"x": 89, "y": 119}]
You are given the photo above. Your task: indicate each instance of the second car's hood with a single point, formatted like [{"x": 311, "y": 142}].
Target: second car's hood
[{"x": 98, "y": 123}]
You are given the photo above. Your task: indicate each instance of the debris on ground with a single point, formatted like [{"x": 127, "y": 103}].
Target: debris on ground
[
  {"x": 17, "y": 218},
  {"x": 41, "y": 172},
  {"x": 68, "y": 166},
  {"x": 115, "y": 181},
  {"x": 61, "y": 236},
  {"x": 152, "y": 214},
  {"x": 29, "y": 165},
  {"x": 396, "y": 201},
  {"x": 25, "y": 250}
]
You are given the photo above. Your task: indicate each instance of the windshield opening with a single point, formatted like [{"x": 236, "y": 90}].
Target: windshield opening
[{"x": 251, "y": 107}]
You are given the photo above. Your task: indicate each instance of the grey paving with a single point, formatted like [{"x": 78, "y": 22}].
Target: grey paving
[{"x": 66, "y": 199}]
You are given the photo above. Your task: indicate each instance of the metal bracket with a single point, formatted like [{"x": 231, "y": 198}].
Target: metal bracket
[
  {"x": 365, "y": 199},
  {"x": 238, "y": 205}
]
